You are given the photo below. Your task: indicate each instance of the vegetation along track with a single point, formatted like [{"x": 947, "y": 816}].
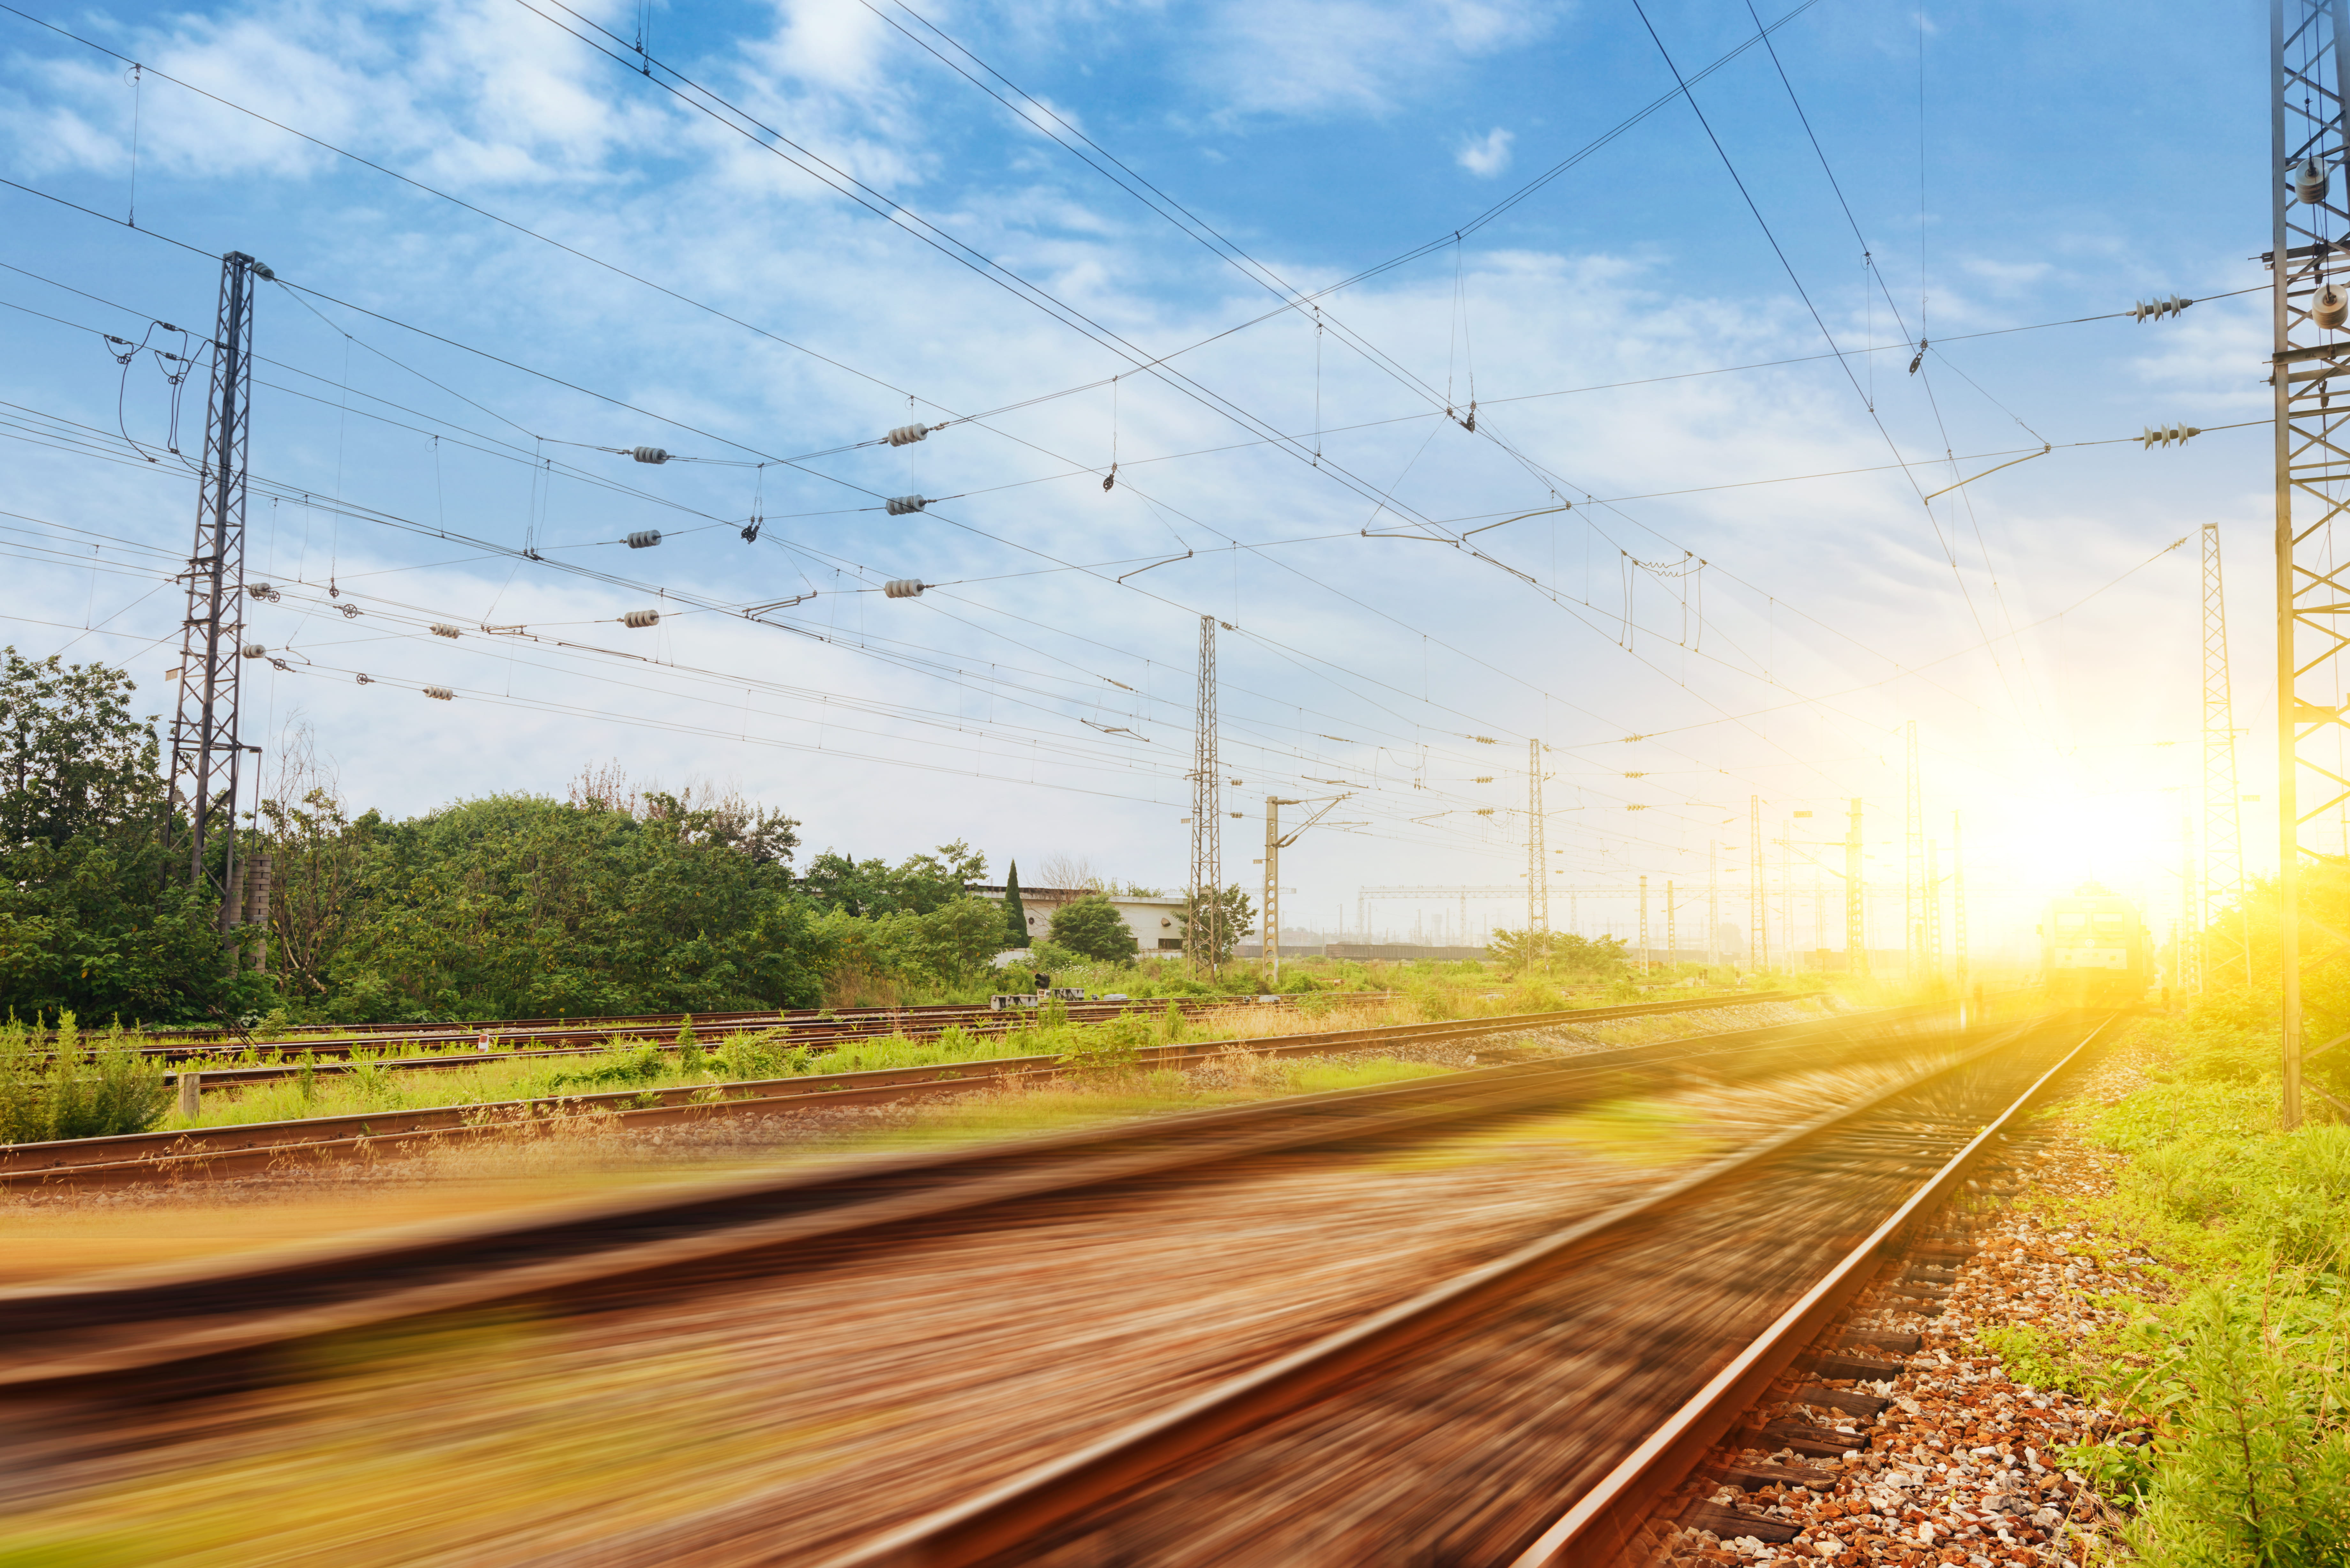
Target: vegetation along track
[
  {"x": 469, "y": 1044},
  {"x": 237, "y": 1148},
  {"x": 610, "y": 1252},
  {"x": 1588, "y": 1369}
]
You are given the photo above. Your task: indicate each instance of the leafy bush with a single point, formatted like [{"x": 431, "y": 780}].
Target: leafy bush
[
  {"x": 2250, "y": 1458},
  {"x": 1092, "y": 927}
]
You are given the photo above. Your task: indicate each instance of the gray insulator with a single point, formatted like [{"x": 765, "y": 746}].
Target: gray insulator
[
  {"x": 899, "y": 505},
  {"x": 2310, "y": 180},
  {"x": 264, "y": 591},
  {"x": 366, "y": 680},
  {"x": 442, "y": 629},
  {"x": 648, "y": 454},
  {"x": 904, "y": 587},
  {"x": 253, "y": 650},
  {"x": 907, "y": 435},
  {"x": 642, "y": 618},
  {"x": 439, "y": 694},
  {"x": 2331, "y": 308},
  {"x": 644, "y": 539},
  {"x": 2164, "y": 435}
]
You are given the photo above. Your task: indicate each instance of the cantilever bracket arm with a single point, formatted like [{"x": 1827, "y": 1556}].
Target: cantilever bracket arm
[
  {"x": 2045, "y": 450},
  {"x": 1292, "y": 836},
  {"x": 1154, "y": 566}
]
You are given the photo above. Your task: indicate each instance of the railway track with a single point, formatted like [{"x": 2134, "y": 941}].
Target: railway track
[
  {"x": 1580, "y": 1351},
  {"x": 1532, "y": 1410},
  {"x": 240, "y": 1148},
  {"x": 680, "y": 1242}
]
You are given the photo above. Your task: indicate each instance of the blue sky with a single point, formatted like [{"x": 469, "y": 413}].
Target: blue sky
[{"x": 435, "y": 368}]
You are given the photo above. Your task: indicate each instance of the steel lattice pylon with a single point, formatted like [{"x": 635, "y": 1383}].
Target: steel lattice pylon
[
  {"x": 1203, "y": 932},
  {"x": 2226, "y": 958},
  {"x": 205, "y": 744},
  {"x": 2306, "y": 266}
]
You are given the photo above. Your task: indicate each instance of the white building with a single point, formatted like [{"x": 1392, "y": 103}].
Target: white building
[{"x": 1156, "y": 922}]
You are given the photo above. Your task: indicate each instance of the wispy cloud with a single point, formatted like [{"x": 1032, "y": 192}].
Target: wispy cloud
[{"x": 1488, "y": 155}]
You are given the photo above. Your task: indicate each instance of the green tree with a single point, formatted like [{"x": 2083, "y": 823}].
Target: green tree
[
  {"x": 93, "y": 915},
  {"x": 516, "y": 906},
  {"x": 961, "y": 936},
  {"x": 918, "y": 885},
  {"x": 1092, "y": 926},
  {"x": 1015, "y": 913},
  {"x": 73, "y": 760},
  {"x": 1228, "y": 915}
]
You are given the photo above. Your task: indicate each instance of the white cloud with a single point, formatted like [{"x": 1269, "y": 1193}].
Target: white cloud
[
  {"x": 1320, "y": 57},
  {"x": 1488, "y": 155}
]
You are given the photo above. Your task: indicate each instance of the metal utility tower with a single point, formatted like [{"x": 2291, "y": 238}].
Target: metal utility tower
[
  {"x": 1537, "y": 877},
  {"x": 205, "y": 747},
  {"x": 1758, "y": 935},
  {"x": 1855, "y": 925},
  {"x": 2224, "y": 955},
  {"x": 1915, "y": 893},
  {"x": 1203, "y": 933},
  {"x": 2307, "y": 210}
]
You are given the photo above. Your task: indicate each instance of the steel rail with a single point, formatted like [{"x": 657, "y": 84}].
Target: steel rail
[
  {"x": 1008, "y": 1517},
  {"x": 1602, "y": 1525},
  {"x": 213, "y": 1151},
  {"x": 143, "y": 1319}
]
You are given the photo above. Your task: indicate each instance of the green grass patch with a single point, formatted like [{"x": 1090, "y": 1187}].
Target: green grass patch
[{"x": 2232, "y": 1396}]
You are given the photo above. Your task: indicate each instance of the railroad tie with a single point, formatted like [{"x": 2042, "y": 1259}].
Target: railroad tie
[
  {"x": 1817, "y": 1442},
  {"x": 1755, "y": 1478},
  {"x": 1841, "y": 1365},
  {"x": 1729, "y": 1523},
  {"x": 1851, "y": 1401}
]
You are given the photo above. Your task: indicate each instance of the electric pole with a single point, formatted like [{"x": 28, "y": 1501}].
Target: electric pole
[
  {"x": 1959, "y": 908},
  {"x": 205, "y": 742},
  {"x": 2307, "y": 210},
  {"x": 1758, "y": 936},
  {"x": 1712, "y": 908},
  {"x": 2190, "y": 964},
  {"x": 1672, "y": 931},
  {"x": 1275, "y": 841},
  {"x": 1644, "y": 925},
  {"x": 1855, "y": 927},
  {"x": 1537, "y": 876},
  {"x": 1203, "y": 932}
]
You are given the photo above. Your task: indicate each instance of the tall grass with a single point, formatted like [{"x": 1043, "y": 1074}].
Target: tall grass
[
  {"x": 2236, "y": 1389},
  {"x": 77, "y": 1091}
]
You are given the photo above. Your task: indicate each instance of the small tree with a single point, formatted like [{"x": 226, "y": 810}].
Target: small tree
[
  {"x": 1092, "y": 927},
  {"x": 959, "y": 938},
  {"x": 1015, "y": 913},
  {"x": 1517, "y": 951},
  {"x": 1228, "y": 915}
]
